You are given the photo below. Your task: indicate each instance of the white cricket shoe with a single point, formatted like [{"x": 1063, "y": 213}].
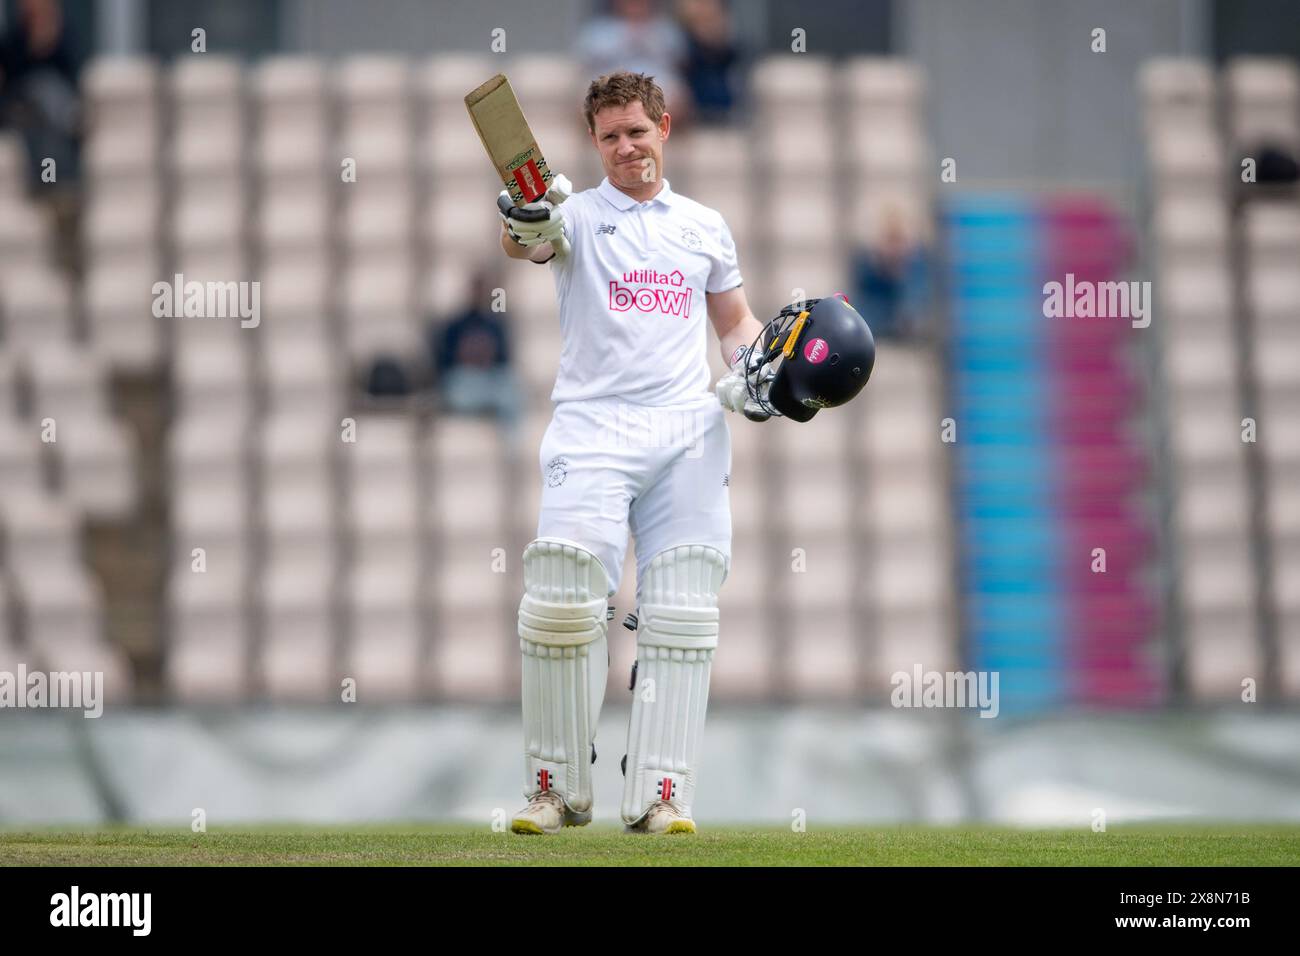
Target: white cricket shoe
[
  {"x": 663, "y": 817},
  {"x": 547, "y": 813}
]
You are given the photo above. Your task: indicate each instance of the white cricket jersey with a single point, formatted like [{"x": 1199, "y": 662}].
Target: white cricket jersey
[{"x": 632, "y": 306}]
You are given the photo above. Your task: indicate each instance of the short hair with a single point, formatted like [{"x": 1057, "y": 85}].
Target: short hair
[{"x": 619, "y": 89}]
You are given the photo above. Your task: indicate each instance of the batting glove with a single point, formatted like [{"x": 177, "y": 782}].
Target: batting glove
[
  {"x": 733, "y": 388},
  {"x": 536, "y": 222}
]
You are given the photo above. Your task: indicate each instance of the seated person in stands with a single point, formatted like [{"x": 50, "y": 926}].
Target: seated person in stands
[
  {"x": 711, "y": 60},
  {"x": 637, "y": 35},
  {"x": 892, "y": 277},
  {"x": 472, "y": 361},
  {"x": 39, "y": 65}
]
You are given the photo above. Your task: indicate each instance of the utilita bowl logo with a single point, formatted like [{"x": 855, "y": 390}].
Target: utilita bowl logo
[
  {"x": 658, "y": 292},
  {"x": 816, "y": 350}
]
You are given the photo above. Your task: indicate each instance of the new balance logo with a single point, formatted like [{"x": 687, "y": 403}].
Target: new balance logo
[
  {"x": 604, "y": 229},
  {"x": 726, "y": 480}
]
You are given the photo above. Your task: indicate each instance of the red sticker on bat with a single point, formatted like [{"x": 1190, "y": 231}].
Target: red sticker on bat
[
  {"x": 816, "y": 350},
  {"x": 530, "y": 181}
]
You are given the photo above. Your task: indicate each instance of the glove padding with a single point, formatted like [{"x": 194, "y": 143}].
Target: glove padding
[
  {"x": 542, "y": 221},
  {"x": 733, "y": 388}
]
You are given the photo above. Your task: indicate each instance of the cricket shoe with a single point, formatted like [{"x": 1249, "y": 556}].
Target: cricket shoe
[
  {"x": 662, "y": 817},
  {"x": 547, "y": 813}
]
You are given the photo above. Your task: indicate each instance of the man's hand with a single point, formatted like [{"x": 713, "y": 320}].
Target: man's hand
[
  {"x": 546, "y": 223},
  {"x": 540, "y": 222},
  {"x": 733, "y": 388}
]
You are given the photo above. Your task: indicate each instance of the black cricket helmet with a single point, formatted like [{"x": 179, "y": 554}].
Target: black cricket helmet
[{"x": 816, "y": 354}]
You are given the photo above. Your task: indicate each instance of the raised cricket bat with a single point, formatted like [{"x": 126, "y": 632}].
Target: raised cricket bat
[{"x": 513, "y": 149}]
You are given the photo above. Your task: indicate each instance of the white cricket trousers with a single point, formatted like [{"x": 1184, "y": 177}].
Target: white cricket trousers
[{"x": 609, "y": 466}]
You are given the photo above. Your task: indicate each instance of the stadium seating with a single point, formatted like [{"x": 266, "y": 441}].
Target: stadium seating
[
  {"x": 337, "y": 541},
  {"x": 1225, "y": 251}
]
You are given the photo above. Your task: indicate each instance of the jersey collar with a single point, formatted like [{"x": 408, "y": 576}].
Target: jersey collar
[{"x": 623, "y": 202}]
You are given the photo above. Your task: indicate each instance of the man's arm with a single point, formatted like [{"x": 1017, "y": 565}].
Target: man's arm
[
  {"x": 740, "y": 390},
  {"x": 732, "y": 320}
]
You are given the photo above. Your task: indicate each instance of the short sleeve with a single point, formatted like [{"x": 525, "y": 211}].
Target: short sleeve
[{"x": 724, "y": 274}]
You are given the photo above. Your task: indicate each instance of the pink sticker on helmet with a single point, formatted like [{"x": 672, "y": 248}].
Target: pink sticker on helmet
[{"x": 815, "y": 350}]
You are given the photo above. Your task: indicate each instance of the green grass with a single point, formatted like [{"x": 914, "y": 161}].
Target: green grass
[{"x": 433, "y": 845}]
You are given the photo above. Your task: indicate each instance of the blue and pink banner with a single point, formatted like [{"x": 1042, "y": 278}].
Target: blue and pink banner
[{"x": 1052, "y": 469}]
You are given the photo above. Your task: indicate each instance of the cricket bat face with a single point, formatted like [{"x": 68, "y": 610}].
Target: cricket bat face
[{"x": 509, "y": 142}]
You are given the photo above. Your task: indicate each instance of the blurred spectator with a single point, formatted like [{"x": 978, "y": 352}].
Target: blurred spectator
[
  {"x": 1276, "y": 164},
  {"x": 635, "y": 35},
  {"x": 39, "y": 67},
  {"x": 472, "y": 360},
  {"x": 387, "y": 378},
  {"x": 892, "y": 277},
  {"x": 712, "y": 58}
]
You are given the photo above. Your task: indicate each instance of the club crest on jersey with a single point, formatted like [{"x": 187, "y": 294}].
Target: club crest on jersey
[
  {"x": 691, "y": 238},
  {"x": 651, "y": 296},
  {"x": 557, "y": 469}
]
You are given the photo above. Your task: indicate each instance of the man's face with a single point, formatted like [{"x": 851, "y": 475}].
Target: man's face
[{"x": 631, "y": 146}]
